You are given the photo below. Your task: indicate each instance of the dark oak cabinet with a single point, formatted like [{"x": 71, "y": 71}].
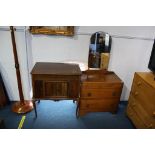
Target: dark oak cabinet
[{"x": 56, "y": 81}]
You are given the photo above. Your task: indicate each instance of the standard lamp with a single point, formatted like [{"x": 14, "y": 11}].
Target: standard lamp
[{"x": 22, "y": 106}]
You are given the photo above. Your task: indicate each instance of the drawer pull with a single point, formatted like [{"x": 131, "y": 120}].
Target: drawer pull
[
  {"x": 154, "y": 113},
  {"x": 131, "y": 114},
  {"x": 133, "y": 104},
  {"x": 114, "y": 94},
  {"x": 139, "y": 84},
  {"x": 87, "y": 106},
  {"x": 89, "y": 94},
  {"x": 136, "y": 93}
]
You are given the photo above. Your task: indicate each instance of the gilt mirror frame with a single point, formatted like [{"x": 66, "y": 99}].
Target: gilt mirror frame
[{"x": 53, "y": 30}]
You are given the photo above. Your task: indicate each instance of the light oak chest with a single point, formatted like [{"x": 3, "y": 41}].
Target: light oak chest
[{"x": 141, "y": 104}]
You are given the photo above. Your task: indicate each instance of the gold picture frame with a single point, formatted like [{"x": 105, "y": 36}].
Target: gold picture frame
[{"x": 53, "y": 30}]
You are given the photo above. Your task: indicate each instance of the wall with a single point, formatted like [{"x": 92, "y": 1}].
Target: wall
[{"x": 127, "y": 55}]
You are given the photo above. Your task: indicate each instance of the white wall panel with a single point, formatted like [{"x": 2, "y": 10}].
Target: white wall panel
[{"x": 127, "y": 55}]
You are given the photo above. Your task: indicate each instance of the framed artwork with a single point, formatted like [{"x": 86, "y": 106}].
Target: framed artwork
[{"x": 53, "y": 30}]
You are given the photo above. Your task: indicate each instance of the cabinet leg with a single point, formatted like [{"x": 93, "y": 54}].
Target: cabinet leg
[
  {"x": 35, "y": 109},
  {"x": 114, "y": 112},
  {"x": 77, "y": 111}
]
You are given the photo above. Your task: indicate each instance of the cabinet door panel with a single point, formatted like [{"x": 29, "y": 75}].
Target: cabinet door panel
[
  {"x": 56, "y": 89},
  {"x": 74, "y": 88},
  {"x": 38, "y": 89}
]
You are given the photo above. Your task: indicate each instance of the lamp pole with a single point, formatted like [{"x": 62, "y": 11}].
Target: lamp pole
[{"x": 22, "y": 106}]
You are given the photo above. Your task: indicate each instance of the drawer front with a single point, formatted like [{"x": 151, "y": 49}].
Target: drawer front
[
  {"x": 144, "y": 94},
  {"x": 146, "y": 103},
  {"x": 141, "y": 87},
  {"x": 101, "y": 93},
  {"x": 100, "y": 85},
  {"x": 99, "y": 105},
  {"x": 134, "y": 118},
  {"x": 147, "y": 119}
]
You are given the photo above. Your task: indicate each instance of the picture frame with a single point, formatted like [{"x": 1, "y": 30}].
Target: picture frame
[{"x": 53, "y": 30}]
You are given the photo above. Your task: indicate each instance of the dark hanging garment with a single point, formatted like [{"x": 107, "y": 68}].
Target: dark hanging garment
[{"x": 3, "y": 94}]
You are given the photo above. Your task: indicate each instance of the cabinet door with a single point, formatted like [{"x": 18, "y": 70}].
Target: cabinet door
[
  {"x": 74, "y": 88},
  {"x": 56, "y": 89}
]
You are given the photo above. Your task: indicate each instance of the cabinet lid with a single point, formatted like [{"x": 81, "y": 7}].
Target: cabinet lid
[{"x": 56, "y": 68}]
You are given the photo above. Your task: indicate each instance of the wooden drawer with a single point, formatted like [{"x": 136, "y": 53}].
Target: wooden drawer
[
  {"x": 100, "y": 93},
  {"x": 142, "y": 100},
  {"x": 142, "y": 89},
  {"x": 101, "y": 85},
  {"x": 134, "y": 118},
  {"x": 144, "y": 94},
  {"x": 147, "y": 119},
  {"x": 145, "y": 103},
  {"x": 99, "y": 105}
]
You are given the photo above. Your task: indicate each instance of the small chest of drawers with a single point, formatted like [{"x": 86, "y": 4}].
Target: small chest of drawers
[
  {"x": 100, "y": 92},
  {"x": 141, "y": 104}
]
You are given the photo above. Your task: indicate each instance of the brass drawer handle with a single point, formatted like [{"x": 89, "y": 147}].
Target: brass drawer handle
[
  {"x": 89, "y": 94},
  {"x": 139, "y": 84},
  {"x": 130, "y": 113},
  {"x": 133, "y": 104},
  {"x": 136, "y": 93},
  {"x": 154, "y": 113}
]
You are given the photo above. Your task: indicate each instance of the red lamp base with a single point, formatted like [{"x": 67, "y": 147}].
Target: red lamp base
[{"x": 22, "y": 107}]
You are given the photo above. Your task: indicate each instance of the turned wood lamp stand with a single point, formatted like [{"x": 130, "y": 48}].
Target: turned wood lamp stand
[{"x": 21, "y": 106}]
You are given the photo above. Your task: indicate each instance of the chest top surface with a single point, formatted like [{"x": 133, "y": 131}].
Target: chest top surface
[
  {"x": 109, "y": 77},
  {"x": 56, "y": 68}
]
